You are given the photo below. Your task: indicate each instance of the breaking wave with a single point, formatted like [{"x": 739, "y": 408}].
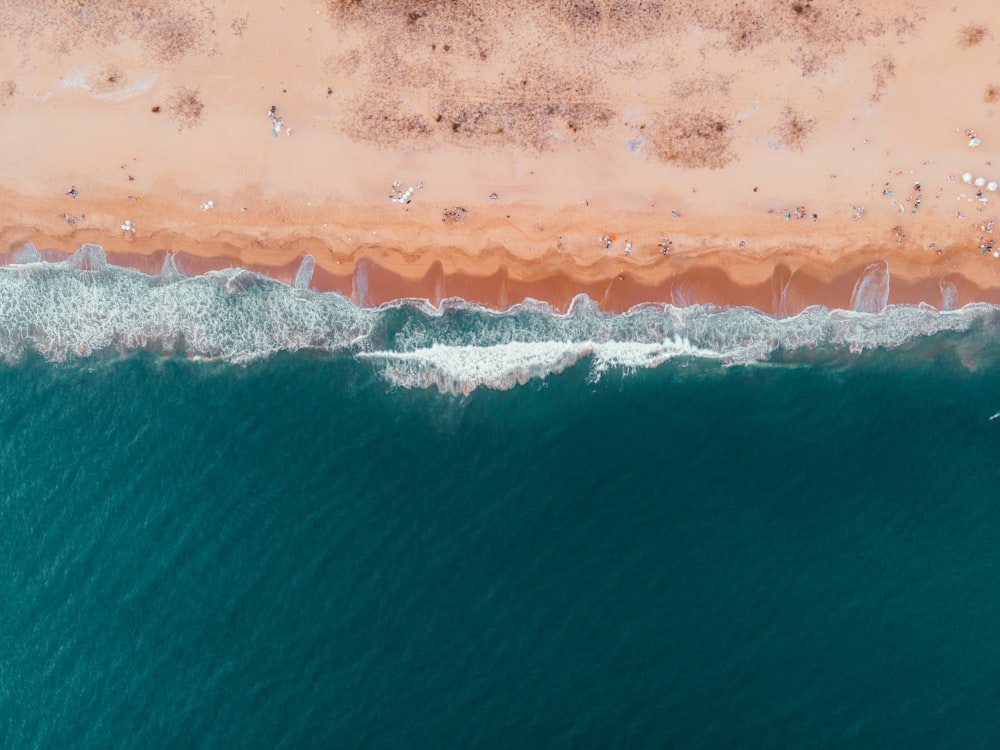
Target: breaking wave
[{"x": 82, "y": 305}]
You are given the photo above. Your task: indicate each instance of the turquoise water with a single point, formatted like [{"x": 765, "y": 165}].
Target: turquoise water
[{"x": 299, "y": 549}]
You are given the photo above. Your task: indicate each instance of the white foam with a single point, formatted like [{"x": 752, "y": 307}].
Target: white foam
[
  {"x": 170, "y": 273},
  {"x": 305, "y": 273},
  {"x": 949, "y": 294},
  {"x": 84, "y": 305},
  {"x": 462, "y": 369},
  {"x": 646, "y": 336},
  {"x": 871, "y": 291},
  {"x": 632, "y": 355},
  {"x": 359, "y": 283},
  {"x": 27, "y": 253}
]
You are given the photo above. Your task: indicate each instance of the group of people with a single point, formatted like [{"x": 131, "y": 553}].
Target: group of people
[{"x": 276, "y": 122}]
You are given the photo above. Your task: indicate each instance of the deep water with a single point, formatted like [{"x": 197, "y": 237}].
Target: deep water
[{"x": 296, "y": 553}]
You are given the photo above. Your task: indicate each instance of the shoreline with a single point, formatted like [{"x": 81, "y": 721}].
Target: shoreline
[
  {"x": 376, "y": 254},
  {"x": 786, "y": 292}
]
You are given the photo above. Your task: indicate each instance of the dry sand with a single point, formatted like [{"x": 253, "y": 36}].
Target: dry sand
[{"x": 701, "y": 127}]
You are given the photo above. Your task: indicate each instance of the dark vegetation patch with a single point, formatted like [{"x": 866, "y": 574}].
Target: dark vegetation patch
[
  {"x": 167, "y": 29},
  {"x": 580, "y": 14},
  {"x": 793, "y": 128},
  {"x": 239, "y": 25},
  {"x": 700, "y": 86},
  {"x": 185, "y": 107},
  {"x": 384, "y": 118},
  {"x": 693, "y": 139},
  {"x": 107, "y": 80},
  {"x": 432, "y": 51},
  {"x": 972, "y": 35},
  {"x": 526, "y": 110},
  {"x": 884, "y": 73}
]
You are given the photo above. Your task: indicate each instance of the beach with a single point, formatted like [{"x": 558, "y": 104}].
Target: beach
[
  {"x": 765, "y": 155},
  {"x": 455, "y": 373}
]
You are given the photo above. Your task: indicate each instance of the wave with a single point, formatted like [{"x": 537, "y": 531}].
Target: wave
[
  {"x": 463, "y": 368},
  {"x": 83, "y": 305}
]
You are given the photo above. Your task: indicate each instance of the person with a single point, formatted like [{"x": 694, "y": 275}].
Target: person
[{"x": 72, "y": 191}]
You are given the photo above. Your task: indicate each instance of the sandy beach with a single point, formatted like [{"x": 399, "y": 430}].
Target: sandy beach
[{"x": 757, "y": 153}]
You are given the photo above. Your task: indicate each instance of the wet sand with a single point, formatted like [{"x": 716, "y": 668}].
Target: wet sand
[{"x": 746, "y": 140}]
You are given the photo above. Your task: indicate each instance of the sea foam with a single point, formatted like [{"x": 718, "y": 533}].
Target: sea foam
[{"x": 82, "y": 305}]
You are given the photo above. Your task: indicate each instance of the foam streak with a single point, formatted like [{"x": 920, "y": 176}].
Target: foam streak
[{"x": 84, "y": 305}]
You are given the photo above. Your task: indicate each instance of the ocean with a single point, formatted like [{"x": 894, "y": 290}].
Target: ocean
[{"x": 236, "y": 513}]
